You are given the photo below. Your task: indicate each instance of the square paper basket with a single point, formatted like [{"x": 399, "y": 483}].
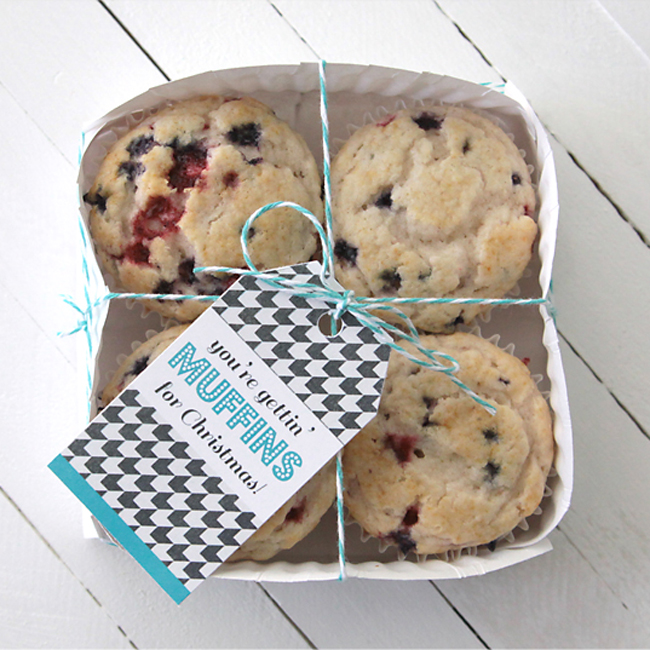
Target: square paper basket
[{"x": 355, "y": 95}]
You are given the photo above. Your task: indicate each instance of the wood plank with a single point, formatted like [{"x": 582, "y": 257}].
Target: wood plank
[
  {"x": 211, "y": 36},
  {"x": 41, "y": 237},
  {"x": 633, "y": 17},
  {"x": 554, "y": 601},
  {"x": 548, "y": 49},
  {"x": 42, "y": 605},
  {"x": 609, "y": 521},
  {"x": 351, "y": 614},
  {"x": 600, "y": 279},
  {"x": 410, "y": 34},
  {"x": 75, "y": 64},
  {"x": 72, "y": 56}
]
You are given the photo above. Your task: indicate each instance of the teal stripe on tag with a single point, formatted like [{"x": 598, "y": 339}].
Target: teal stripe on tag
[{"x": 119, "y": 529}]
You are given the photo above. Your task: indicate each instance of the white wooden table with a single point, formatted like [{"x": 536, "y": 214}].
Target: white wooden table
[{"x": 584, "y": 66}]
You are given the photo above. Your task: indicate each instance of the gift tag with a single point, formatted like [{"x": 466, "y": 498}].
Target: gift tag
[{"x": 224, "y": 427}]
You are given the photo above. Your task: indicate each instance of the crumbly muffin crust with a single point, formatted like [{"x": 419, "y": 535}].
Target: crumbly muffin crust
[{"x": 432, "y": 203}]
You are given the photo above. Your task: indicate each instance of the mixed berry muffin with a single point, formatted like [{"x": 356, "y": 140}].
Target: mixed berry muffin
[
  {"x": 175, "y": 192},
  {"x": 294, "y": 520},
  {"x": 432, "y": 203},
  {"x": 434, "y": 471}
]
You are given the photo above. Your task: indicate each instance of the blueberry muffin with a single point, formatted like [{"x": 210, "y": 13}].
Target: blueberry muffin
[
  {"x": 432, "y": 203},
  {"x": 294, "y": 520},
  {"x": 175, "y": 192},
  {"x": 434, "y": 471}
]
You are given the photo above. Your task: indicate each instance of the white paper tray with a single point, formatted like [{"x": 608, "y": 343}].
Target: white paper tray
[{"x": 354, "y": 92}]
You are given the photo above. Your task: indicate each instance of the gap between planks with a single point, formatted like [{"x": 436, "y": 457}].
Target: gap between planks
[
  {"x": 134, "y": 39},
  {"x": 590, "y": 564},
  {"x": 288, "y": 618},
  {"x": 293, "y": 29},
  {"x": 600, "y": 381},
  {"x": 460, "y": 616}
]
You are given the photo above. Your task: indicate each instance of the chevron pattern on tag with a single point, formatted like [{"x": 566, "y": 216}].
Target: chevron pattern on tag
[
  {"x": 339, "y": 378},
  {"x": 160, "y": 489}
]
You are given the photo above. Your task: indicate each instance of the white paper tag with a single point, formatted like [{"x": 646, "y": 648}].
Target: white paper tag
[{"x": 224, "y": 427}]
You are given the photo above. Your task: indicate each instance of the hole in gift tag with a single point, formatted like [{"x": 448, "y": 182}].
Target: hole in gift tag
[{"x": 329, "y": 326}]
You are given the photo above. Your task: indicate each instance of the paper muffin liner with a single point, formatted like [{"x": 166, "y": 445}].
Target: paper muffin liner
[
  {"x": 508, "y": 539},
  {"x": 354, "y": 90}
]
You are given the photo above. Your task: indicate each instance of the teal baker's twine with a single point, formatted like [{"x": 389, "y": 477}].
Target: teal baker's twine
[
  {"x": 550, "y": 304},
  {"x": 87, "y": 312},
  {"x": 329, "y": 269},
  {"x": 360, "y": 306},
  {"x": 327, "y": 182},
  {"x": 340, "y": 516},
  {"x": 343, "y": 305}
]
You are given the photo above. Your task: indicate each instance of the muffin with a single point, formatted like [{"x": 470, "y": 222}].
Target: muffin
[
  {"x": 138, "y": 361},
  {"x": 434, "y": 471},
  {"x": 294, "y": 520},
  {"x": 432, "y": 203},
  {"x": 174, "y": 193}
]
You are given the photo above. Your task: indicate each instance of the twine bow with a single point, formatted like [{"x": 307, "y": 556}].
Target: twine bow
[{"x": 341, "y": 301}]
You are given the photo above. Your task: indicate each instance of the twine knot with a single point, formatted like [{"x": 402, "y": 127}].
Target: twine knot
[
  {"x": 346, "y": 300},
  {"x": 342, "y": 301}
]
